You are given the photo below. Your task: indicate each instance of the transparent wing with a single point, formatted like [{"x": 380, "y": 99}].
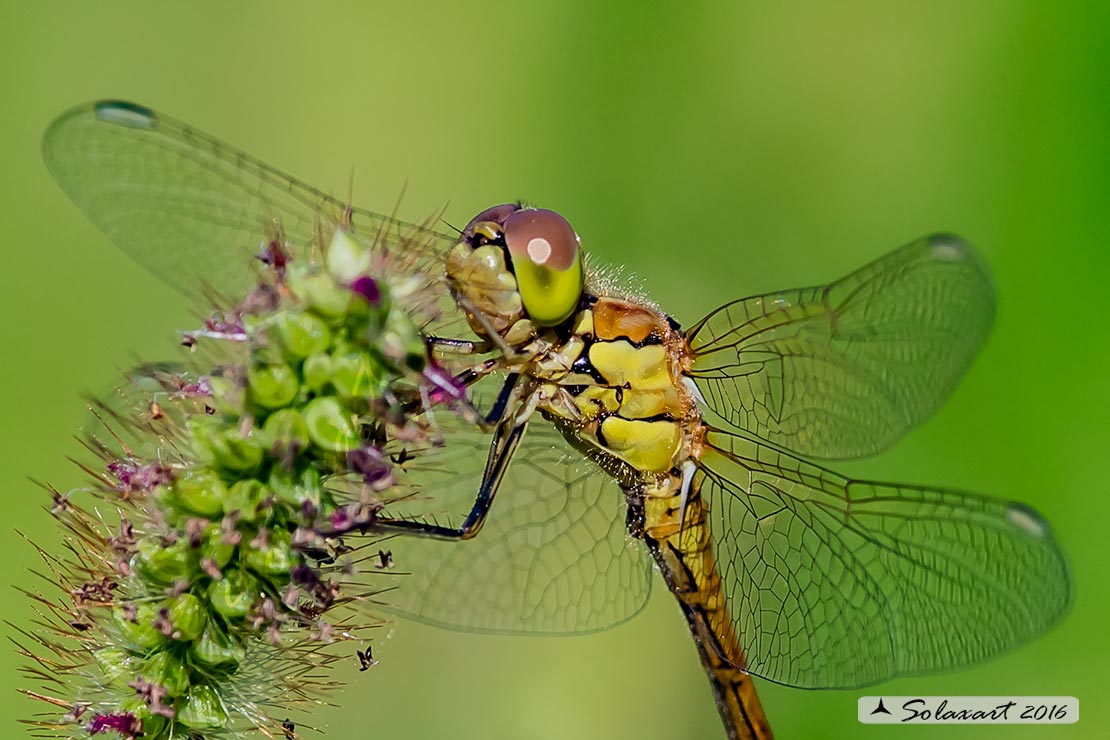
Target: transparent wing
[
  {"x": 191, "y": 209},
  {"x": 553, "y": 557},
  {"x": 846, "y": 369},
  {"x": 834, "y": 583}
]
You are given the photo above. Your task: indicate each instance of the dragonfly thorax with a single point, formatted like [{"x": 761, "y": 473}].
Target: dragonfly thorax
[{"x": 613, "y": 386}]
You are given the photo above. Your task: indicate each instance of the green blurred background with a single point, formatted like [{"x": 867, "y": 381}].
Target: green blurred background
[{"x": 716, "y": 151}]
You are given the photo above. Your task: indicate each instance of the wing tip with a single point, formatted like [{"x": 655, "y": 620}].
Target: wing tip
[
  {"x": 110, "y": 111},
  {"x": 948, "y": 247},
  {"x": 1028, "y": 520},
  {"x": 124, "y": 113},
  {"x": 1032, "y": 525},
  {"x": 50, "y": 137}
]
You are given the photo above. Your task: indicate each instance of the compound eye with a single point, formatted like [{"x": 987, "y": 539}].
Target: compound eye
[
  {"x": 547, "y": 259},
  {"x": 488, "y": 226}
]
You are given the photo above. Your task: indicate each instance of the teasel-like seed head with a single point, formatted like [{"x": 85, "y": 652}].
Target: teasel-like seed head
[{"x": 209, "y": 568}]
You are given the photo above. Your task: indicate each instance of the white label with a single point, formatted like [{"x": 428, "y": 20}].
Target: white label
[{"x": 968, "y": 710}]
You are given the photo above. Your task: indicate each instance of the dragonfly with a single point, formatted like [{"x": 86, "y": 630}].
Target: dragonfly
[{"x": 618, "y": 441}]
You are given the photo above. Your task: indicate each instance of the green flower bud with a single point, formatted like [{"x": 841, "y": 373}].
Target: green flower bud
[
  {"x": 200, "y": 492},
  {"x": 188, "y": 615},
  {"x": 216, "y": 648},
  {"x": 316, "y": 371},
  {"x": 227, "y": 396},
  {"x": 202, "y": 431},
  {"x": 116, "y": 665},
  {"x": 272, "y": 386},
  {"x": 296, "y": 490},
  {"x": 286, "y": 427},
  {"x": 276, "y": 559},
  {"x": 166, "y": 670},
  {"x": 240, "y": 454},
  {"x": 155, "y": 726},
  {"x": 202, "y": 709},
  {"x": 296, "y": 274},
  {"x": 320, "y": 291},
  {"x": 141, "y": 633},
  {"x": 234, "y": 595},
  {"x": 401, "y": 344},
  {"x": 354, "y": 375},
  {"x": 214, "y": 546},
  {"x": 301, "y": 334},
  {"x": 244, "y": 496},
  {"x": 347, "y": 258},
  {"x": 219, "y": 446},
  {"x": 162, "y": 564},
  {"x": 330, "y": 426}
]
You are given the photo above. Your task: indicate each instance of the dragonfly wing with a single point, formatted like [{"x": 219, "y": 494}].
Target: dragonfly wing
[
  {"x": 834, "y": 583},
  {"x": 553, "y": 556},
  {"x": 191, "y": 209},
  {"x": 844, "y": 370}
]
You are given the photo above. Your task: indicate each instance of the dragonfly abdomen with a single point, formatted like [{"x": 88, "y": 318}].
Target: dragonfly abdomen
[{"x": 676, "y": 531}]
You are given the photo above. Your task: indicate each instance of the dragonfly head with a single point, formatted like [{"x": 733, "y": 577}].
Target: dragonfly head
[{"x": 516, "y": 263}]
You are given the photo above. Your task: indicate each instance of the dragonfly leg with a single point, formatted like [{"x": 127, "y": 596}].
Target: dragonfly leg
[
  {"x": 508, "y": 432},
  {"x": 477, "y": 515},
  {"x": 454, "y": 386},
  {"x": 447, "y": 345}
]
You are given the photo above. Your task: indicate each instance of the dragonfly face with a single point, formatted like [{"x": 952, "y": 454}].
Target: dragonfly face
[
  {"x": 514, "y": 261},
  {"x": 606, "y": 420}
]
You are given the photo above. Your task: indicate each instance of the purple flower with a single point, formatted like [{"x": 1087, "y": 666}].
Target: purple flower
[
  {"x": 375, "y": 468},
  {"x": 221, "y": 324},
  {"x": 276, "y": 256},
  {"x": 367, "y": 287},
  {"x": 124, "y": 723},
  {"x": 135, "y": 476},
  {"x": 201, "y": 388}
]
